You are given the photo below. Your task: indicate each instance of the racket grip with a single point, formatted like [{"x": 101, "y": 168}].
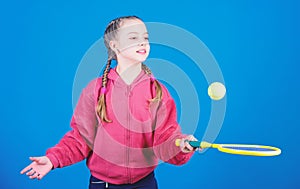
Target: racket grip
[
  {"x": 177, "y": 142},
  {"x": 195, "y": 144}
]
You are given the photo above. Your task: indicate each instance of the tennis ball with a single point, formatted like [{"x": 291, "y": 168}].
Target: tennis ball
[{"x": 216, "y": 91}]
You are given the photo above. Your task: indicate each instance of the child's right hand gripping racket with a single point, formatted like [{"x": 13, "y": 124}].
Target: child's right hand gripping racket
[{"x": 241, "y": 149}]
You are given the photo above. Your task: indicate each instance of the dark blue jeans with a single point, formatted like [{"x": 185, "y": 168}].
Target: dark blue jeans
[{"x": 149, "y": 182}]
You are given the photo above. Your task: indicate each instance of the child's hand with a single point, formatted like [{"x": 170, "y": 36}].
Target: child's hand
[
  {"x": 185, "y": 146},
  {"x": 38, "y": 168}
]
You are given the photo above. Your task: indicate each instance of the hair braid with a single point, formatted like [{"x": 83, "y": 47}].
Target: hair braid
[
  {"x": 158, "y": 88},
  {"x": 101, "y": 108}
]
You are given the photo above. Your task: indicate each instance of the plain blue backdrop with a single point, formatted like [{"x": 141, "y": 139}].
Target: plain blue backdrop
[{"x": 256, "y": 44}]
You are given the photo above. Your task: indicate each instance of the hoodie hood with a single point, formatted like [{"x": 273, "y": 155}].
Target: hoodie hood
[{"x": 114, "y": 76}]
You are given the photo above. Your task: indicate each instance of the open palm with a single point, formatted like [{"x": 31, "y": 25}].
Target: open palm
[{"x": 38, "y": 168}]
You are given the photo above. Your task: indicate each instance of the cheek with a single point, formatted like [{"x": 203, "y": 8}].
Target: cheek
[
  {"x": 128, "y": 45},
  {"x": 130, "y": 50},
  {"x": 148, "y": 47}
]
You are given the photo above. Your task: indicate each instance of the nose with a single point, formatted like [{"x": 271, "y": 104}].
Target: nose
[{"x": 143, "y": 43}]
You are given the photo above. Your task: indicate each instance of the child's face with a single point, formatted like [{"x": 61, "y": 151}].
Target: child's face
[{"x": 132, "y": 41}]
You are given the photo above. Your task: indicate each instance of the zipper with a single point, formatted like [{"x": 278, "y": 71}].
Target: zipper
[{"x": 128, "y": 134}]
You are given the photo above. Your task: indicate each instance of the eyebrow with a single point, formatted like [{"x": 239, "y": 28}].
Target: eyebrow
[{"x": 136, "y": 33}]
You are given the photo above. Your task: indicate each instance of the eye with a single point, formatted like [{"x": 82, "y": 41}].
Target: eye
[
  {"x": 133, "y": 38},
  {"x": 147, "y": 38}
]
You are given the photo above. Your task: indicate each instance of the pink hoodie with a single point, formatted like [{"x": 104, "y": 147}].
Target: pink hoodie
[{"x": 128, "y": 148}]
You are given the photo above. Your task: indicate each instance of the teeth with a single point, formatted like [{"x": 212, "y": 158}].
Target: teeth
[{"x": 141, "y": 51}]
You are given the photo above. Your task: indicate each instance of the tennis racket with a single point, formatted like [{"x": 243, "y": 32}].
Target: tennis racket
[{"x": 240, "y": 149}]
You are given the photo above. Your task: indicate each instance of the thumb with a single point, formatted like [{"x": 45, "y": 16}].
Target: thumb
[{"x": 36, "y": 159}]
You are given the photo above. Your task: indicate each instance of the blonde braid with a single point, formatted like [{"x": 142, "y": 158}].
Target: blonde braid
[
  {"x": 158, "y": 89},
  {"x": 101, "y": 108}
]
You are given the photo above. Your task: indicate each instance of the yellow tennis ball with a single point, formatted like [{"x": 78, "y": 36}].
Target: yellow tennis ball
[{"x": 216, "y": 91}]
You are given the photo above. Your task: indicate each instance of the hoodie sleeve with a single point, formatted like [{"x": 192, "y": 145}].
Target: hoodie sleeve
[
  {"x": 77, "y": 143},
  {"x": 167, "y": 131}
]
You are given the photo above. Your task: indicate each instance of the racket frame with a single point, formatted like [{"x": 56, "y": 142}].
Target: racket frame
[{"x": 222, "y": 148}]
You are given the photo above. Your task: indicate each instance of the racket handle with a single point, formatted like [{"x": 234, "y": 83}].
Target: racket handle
[{"x": 195, "y": 144}]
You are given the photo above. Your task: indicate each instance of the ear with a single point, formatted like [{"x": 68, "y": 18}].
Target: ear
[{"x": 113, "y": 45}]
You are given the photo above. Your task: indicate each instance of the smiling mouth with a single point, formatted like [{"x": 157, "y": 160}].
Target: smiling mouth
[{"x": 141, "y": 51}]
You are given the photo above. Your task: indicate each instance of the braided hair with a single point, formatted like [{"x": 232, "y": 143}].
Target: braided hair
[{"x": 109, "y": 35}]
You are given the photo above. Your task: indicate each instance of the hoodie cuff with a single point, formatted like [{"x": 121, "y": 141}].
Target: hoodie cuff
[
  {"x": 53, "y": 160},
  {"x": 184, "y": 157}
]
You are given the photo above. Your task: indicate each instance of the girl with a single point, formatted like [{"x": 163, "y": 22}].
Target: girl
[{"x": 124, "y": 122}]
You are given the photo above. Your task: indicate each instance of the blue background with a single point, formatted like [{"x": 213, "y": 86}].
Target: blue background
[{"x": 256, "y": 44}]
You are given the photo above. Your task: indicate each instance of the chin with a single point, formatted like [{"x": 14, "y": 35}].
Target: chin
[
  {"x": 140, "y": 60},
  {"x": 135, "y": 59}
]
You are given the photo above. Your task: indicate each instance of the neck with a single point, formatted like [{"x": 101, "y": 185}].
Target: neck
[{"x": 129, "y": 72}]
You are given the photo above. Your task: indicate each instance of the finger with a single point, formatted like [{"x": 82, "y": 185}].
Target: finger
[
  {"x": 35, "y": 175},
  {"x": 36, "y": 159},
  {"x": 40, "y": 176},
  {"x": 182, "y": 141},
  {"x": 188, "y": 146},
  {"x": 31, "y": 172},
  {"x": 191, "y": 138},
  {"x": 26, "y": 169}
]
